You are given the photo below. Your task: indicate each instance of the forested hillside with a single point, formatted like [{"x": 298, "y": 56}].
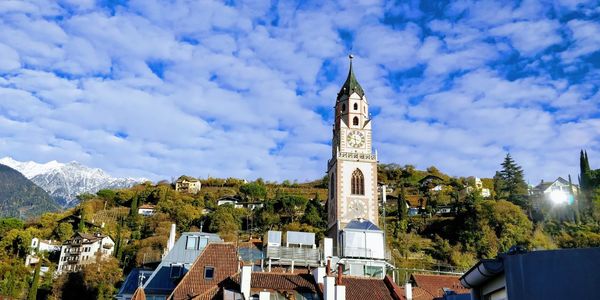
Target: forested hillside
[
  {"x": 19, "y": 197},
  {"x": 420, "y": 235}
]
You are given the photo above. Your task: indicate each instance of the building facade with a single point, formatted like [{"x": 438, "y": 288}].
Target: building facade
[
  {"x": 188, "y": 184},
  {"x": 82, "y": 249},
  {"x": 352, "y": 169}
]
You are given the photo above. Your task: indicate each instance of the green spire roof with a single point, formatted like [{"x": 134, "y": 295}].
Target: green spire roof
[{"x": 351, "y": 85}]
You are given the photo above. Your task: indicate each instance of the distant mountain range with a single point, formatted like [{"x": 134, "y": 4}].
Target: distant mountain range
[
  {"x": 64, "y": 181},
  {"x": 19, "y": 197}
]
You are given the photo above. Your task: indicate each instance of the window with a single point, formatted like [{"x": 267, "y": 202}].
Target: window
[
  {"x": 374, "y": 271},
  {"x": 355, "y": 121},
  {"x": 176, "y": 271},
  {"x": 343, "y": 107},
  {"x": 203, "y": 242},
  {"x": 355, "y": 106},
  {"x": 191, "y": 243},
  {"x": 358, "y": 183},
  {"x": 209, "y": 273}
]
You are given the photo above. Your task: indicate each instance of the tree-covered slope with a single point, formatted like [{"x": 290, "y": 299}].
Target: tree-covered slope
[{"x": 19, "y": 197}]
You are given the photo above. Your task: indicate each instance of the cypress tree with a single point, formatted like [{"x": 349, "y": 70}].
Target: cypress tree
[
  {"x": 81, "y": 225},
  {"x": 402, "y": 204},
  {"x": 32, "y": 295},
  {"x": 585, "y": 182},
  {"x": 134, "y": 206}
]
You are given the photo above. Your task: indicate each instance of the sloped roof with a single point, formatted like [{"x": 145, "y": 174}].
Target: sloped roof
[
  {"x": 361, "y": 225},
  {"x": 222, "y": 257},
  {"x": 370, "y": 288},
  {"x": 160, "y": 281},
  {"x": 351, "y": 85},
  {"x": 132, "y": 281},
  {"x": 434, "y": 284},
  {"x": 139, "y": 294}
]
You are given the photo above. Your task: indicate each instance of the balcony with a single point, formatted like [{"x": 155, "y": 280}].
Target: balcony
[
  {"x": 365, "y": 253},
  {"x": 296, "y": 254}
]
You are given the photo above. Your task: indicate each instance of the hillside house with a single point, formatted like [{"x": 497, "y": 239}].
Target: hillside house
[
  {"x": 82, "y": 249},
  {"x": 187, "y": 184}
]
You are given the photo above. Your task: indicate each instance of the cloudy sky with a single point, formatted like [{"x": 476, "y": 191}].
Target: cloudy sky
[{"x": 246, "y": 89}]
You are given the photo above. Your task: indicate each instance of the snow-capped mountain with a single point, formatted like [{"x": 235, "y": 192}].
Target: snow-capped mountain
[{"x": 64, "y": 181}]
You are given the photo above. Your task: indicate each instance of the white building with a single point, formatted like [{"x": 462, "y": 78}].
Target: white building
[
  {"x": 188, "y": 184},
  {"x": 38, "y": 246},
  {"x": 82, "y": 249},
  {"x": 485, "y": 192},
  {"x": 146, "y": 210}
]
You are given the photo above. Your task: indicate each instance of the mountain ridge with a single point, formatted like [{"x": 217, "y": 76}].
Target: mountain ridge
[
  {"x": 65, "y": 181},
  {"x": 20, "y": 197}
]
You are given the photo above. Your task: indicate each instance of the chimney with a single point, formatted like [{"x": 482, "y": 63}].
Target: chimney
[
  {"x": 408, "y": 290},
  {"x": 264, "y": 296},
  {"x": 327, "y": 248},
  {"x": 245, "y": 281},
  {"x": 318, "y": 274},
  {"x": 340, "y": 290},
  {"x": 171, "y": 241},
  {"x": 329, "y": 288}
]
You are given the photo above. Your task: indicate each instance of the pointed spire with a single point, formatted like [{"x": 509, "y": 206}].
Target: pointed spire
[{"x": 351, "y": 85}]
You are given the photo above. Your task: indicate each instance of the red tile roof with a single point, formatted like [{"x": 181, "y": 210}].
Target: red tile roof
[
  {"x": 433, "y": 284},
  {"x": 139, "y": 294},
  {"x": 371, "y": 288},
  {"x": 223, "y": 257}
]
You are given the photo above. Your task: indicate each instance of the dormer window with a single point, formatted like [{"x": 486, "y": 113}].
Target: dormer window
[
  {"x": 191, "y": 243},
  {"x": 343, "y": 107},
  {"x": 209, "y": 272},
  {"x": 176, "y": 271}
]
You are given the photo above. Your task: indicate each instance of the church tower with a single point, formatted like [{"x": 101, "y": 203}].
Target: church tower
[{"x": 352, "y": 169}]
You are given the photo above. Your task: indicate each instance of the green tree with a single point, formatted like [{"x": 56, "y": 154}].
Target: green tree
[
  {"x": 226, "y": 221},
  {"x": 7, "y": 224},
  {"x": 35, "y": 282},
  {"x": 133, "y": 212},
  {"x": 510, "y": 182},
  {"x": 254, "y": 190},
  {"x": 313, "y": 214},
  {"x": 64, "y": 231},
  {"x": 290, "y": 205}
]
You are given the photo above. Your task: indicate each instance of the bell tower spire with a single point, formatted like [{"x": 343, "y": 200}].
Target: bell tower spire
[
  {"x": 351, "y": 85},
  {"x": 352, "y": 168}
]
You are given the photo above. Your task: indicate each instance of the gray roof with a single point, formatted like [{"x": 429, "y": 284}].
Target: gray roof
[
  {"x": 131, "y": 282},
  {"x": 160, "y": 282},
  {"x": 362, "y": 225}
]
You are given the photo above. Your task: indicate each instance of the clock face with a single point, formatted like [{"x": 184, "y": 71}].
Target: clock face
[
  {"x": 357, "y": 209},
  {"x": 356, "y": 139}
]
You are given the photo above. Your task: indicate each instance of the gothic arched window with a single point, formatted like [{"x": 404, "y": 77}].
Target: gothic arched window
[
  {"x": 355, "y": 106},
  {"x": 355, "y": 121},
  {"x": 343, "y": 107},
  {"x": 358, "y": 183}
]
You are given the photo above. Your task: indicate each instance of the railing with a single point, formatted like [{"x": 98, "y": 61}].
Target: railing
[
  {"x": 290, "y": 253},
  {"x": 354, "y": 155},
  {"x": 364, "y": 253}
]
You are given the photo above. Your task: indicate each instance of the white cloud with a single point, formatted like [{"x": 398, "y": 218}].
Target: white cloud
[
  {"x": 586, "y": 39},
  {"x": 163, "y": 88}
]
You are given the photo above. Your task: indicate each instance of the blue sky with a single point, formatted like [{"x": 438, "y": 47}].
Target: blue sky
[{"x": 246, "y": 88}]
